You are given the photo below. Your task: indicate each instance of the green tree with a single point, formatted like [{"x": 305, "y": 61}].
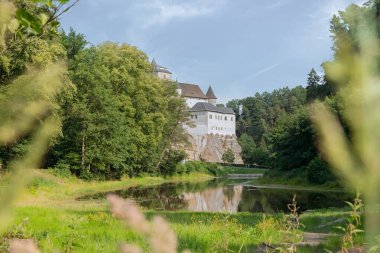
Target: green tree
[
  {"x": 122, "y": 120},
  {"x": 175, "y": 137},
  {"x": 312, "y": 87},
  {"x": 30, "y": 36},
  {"x": 293, "y": 142},
  {"x": 73, "y": 42},
  {"x": 228, "y": 156},
  {"x": 24, "y": 51},
  {"x": 251, "y": 153}
]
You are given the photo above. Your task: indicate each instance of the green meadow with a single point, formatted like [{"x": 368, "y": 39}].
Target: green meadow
[{"x": 50, "y": 214}]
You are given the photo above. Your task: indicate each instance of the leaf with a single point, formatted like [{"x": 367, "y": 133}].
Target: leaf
[
  {"x": 13, "y": 25},
  {"x": 350, "y": 204},
  {"x": 43, "y": 18},
  {"x": 341, "y": 228},
  {"x": 356, "y": 231}
]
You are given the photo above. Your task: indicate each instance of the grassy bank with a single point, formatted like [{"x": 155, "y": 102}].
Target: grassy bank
[
  {"x": 97, "y": 231},
  {"x": 290, "y": 179},
  {"x": 50, "y": 214},
  {"x": 68, "y": 230},
  {"x": 46, "y": 188}
]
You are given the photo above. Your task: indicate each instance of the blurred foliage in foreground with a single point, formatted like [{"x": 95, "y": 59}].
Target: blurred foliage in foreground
[
  {"x": 28, "y": 101},
  {"x": 353, "y": 152}
]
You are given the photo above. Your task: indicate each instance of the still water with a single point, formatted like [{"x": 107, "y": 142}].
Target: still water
[{"x": 227, "y": 195}]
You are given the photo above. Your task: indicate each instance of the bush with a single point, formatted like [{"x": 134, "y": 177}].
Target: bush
[
  {"x": 181, "y": 169},
  {"x": 197, "y": 166},
  {"x": 318, "y": 172},
  {"x": 168, "y": 166},
  {"x": 228, "y": 156},
  {"x": 38, "y": 182},
  {"x": 62, "y": 169}
]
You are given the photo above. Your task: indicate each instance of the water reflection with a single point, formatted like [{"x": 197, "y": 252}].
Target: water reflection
[
  {"x": 222, "y": 195},
  {"x": 222, "y": 199}
]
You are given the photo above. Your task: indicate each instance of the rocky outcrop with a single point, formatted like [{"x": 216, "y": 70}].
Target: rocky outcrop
[{"x": 210, "y": 148}]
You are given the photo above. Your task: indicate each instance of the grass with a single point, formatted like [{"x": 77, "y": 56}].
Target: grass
[
  {"x": 63, "y": 230},
  {"x": 59, "y": 223},
  {"x": 95, "y": 230},
  {"x": 47, "y": 189},
  {"x": 325, "y": 221},
  {"x": 286, "y": 179}
]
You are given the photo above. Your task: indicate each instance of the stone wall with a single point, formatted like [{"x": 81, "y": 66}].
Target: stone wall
[{"x": 210, "y": 148}]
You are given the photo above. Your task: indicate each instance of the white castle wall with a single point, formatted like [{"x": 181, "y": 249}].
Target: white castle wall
[
  {"x": 199, "y": 120},
  {"x": 212, "y": 123},
  {"x": 223, "y": 124},
  {"x": 192, "y": 101},
  {"x": 163, "y": 75}
]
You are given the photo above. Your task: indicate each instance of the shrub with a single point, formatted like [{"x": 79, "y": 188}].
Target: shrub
[
  {"x": 228, "y": 156},
  {"x": 318, "y": 172},
  {"x": 168, "y": 166},
  {"x": 197, "y": 166},
  {"x": 62, "y": 169},
  {"x": 180, "y": 169}
]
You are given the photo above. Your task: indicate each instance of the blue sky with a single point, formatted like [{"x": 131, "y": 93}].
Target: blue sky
[{"x": 240, "y": 47}]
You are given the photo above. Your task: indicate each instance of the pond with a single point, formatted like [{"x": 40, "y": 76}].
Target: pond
[{"x": 227, "y": 195}]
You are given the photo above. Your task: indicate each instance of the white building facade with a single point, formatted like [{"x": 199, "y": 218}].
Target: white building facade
[
  {"x": 161, "y": 72},
  {"x": 209, "y": 119},
  {"x": 206, "y": 116}
]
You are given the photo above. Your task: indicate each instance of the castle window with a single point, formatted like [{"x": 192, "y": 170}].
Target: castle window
[
  {"x": 232, "y": 118},
  {"x": 225, "y": 118},
  {"x": 210, "y": 116}
]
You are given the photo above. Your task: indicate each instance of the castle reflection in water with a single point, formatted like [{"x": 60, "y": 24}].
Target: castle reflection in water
[
  {"x": 229, "y": 196},
  {"x": 214, "y": 200}
]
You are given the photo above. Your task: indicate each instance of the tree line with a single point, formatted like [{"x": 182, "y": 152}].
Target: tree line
[
  {"x": 114, "y": 117},
  {"x": 275, "y": 128}
]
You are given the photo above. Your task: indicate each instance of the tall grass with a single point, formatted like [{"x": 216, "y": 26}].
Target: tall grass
[{"x": 356, "y": 158}]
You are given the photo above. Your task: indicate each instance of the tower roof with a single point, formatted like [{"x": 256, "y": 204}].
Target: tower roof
[
  {"x": 191, "y": 91},
  {"x": 210, "y": 93},
  {"x": 207, "y": 107},
  {"x": 158, "y": 68}
]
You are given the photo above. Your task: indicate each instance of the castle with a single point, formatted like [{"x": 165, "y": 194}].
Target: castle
[
  {"x": 214, "y": 127},
  {"x": 206, "y": 116}
]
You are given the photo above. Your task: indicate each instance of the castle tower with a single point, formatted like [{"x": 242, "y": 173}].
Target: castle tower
[
  {"x": 161, "y": 72},
  {"x": 211, "y": 96}
]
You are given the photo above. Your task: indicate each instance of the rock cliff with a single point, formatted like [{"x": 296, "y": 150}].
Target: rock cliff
[{"x": 210, "y": 148}]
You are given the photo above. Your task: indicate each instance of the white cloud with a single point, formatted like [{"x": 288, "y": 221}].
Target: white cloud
[{"x": 164, "y": 11}]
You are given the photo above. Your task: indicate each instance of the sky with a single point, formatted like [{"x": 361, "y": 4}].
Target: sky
[{"x": 239, "y": 47}]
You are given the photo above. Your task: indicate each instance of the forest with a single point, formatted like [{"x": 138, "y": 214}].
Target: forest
[
  {"x": 275, "y": 128},
  {"x": 83, "y": 124},
  {"x": 114, "y": 118}
]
